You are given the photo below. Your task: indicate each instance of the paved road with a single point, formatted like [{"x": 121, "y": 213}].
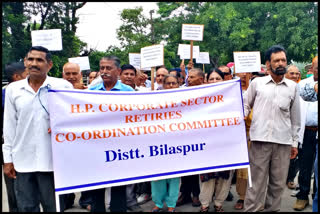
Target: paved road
[{"x": 286, "y": 204}]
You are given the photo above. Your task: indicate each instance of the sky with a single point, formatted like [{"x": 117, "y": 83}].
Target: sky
[{"x": 98, "y": 22}]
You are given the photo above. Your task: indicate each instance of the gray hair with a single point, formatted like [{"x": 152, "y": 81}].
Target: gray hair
[{"x": 115, "y": 59}]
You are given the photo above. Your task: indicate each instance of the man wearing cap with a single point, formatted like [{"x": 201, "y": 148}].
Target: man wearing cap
[
  {"x": 308, "y": 151},
  {"x": 275, "y": 104}
]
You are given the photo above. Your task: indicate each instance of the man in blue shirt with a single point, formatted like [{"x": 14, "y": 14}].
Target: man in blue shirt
[{"x": 109, "y": 72}]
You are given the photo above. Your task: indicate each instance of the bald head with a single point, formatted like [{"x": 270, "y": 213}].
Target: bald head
[
  {"x": 72, "y": 73},
  {"x": 160, "y": 74},
  {"x": 293, "y": 73}
]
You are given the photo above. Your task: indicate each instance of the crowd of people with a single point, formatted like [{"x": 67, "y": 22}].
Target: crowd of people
[{"x": 281, "y": 117}]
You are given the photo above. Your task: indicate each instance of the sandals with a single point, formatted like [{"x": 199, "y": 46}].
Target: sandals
[
  {"x": 218, "y": 209},
  {"x": 239, "y": 205},
  {"x": 204, "y": 209},
  {"x": 156, "y": 209},
  {"x": 172, "y": 210}
]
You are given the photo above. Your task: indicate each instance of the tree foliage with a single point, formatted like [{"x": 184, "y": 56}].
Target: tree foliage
[
  {"x": 17, "y": 27},
  {"x": 228, "y": 27}
]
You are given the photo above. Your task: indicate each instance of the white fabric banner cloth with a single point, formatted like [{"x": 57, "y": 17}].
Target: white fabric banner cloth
[{"x": 102, "y": 139}]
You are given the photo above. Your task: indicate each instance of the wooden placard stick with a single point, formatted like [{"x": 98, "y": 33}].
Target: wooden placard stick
[
  {"x": 247, "y": 80},
  {"x": 152, "y": 78},
  {"x": 191, "y": 51}
]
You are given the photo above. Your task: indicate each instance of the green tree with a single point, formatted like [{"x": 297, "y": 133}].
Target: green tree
[{"x": 17, "y": 27}]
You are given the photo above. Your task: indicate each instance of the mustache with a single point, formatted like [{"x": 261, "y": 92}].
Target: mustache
[
  {"x": 106, "y": 75},
  {"x": 34, "y": 67}
]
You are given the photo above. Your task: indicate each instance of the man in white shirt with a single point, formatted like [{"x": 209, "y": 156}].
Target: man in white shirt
[
  {"x": 308, "y": 151},
  {"x": 274, "y": 130},
  {"x": 27, "y": 144}
]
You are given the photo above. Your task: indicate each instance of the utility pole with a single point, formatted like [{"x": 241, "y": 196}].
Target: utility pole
[{"x": 152, "y": 30}]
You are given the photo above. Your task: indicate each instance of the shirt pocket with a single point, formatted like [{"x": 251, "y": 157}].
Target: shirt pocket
[{"x": 284, "y": 103}]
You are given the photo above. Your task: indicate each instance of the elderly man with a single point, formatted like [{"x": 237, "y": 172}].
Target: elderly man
[
  {"x": 226, "y": 71},
  {"x": 308, "y": 151},
  {"x": 72, "y": 73},
  {"x": 109, "y": 72},
  {"x": 27, "y": 142},
  {"x": 274, "y": 130},
  {"x": 160, "y": 74},
  {"x": 293, "y": 73},
  {"x": 195, "y": 77},
  {"x": 190, "y": 184}
]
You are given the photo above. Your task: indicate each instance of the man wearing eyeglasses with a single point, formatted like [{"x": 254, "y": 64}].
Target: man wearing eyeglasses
[
  {"x": 226, "y": 71},
  {"x": 27, "y": 149}
]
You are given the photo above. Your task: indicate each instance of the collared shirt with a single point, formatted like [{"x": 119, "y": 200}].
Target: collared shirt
[
  {"x": 312, "y": 107},
  {"x": 27, "y": 143},
  {"x": 117, "y": 87},
  {"x": 276, "y": 110}
]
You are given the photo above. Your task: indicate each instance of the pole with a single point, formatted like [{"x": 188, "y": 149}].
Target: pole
[
  {"x": 203, "y": 68},
  {"x": 191, "y": 50},
  {"x": 152, "y": 78}
]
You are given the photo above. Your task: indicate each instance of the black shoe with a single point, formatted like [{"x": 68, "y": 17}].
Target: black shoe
[
  {"x": 229, "y": 197},
  {"x": 183, "y": 200}
]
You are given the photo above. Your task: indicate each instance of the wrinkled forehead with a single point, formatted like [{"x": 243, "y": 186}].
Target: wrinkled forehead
[
  {"x": 107, "y": 62},
  {"x": 36, "y": 54}
]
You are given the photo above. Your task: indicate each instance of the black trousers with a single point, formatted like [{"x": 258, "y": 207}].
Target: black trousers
[
  {"x": 12, "y": 201},
  {"x": 118, "y": 201},
  {"x": 144, "y": 187},
  {"x": 306, "y": 161},
  {"x": 293, "y": 169},
  {"x": 190, "y": 184}
]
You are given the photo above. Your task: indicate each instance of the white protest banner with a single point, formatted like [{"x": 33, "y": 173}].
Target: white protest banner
[
  {"x": 192, "y": 32},
  {"x": 135, "y": 60},
  {"x": 83, "y": 62},
  {"x": 184, "y": 51},
  {"x": 203, "y": 58},
  {"x": 50, "y": 39},
  {"x": 152, "y": 56},
  {"x": 247, "y": 61},
  {"x": 130, "y": 137}
]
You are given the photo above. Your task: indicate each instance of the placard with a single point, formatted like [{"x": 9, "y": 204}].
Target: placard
[
  {"x": 135, "y": 60},
  {"x": 247, "y": 61},
  {"x": 203, "y": 58},
  {"x": 50, "y": 39},
  {"x": 82, "y": 61},
  {"x": 192, "y": 32},
  {"x": 152, "y": 56},
  {"x": 184, "y": 51}
]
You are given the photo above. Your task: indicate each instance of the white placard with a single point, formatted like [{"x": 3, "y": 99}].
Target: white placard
[
  {"x": 203, "y": 58},
  {"x": 83, "y": 62},
  {"x": 184, "y": 51},
  {"x": 192, "y": 32},
  {"x": 247, "y": 61},
  {"x": 135, "y": 60},
  {"x": 152, "y": 56},
  {"x": 120, "y": 136},
  {"x": 50, "y": 39}
]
